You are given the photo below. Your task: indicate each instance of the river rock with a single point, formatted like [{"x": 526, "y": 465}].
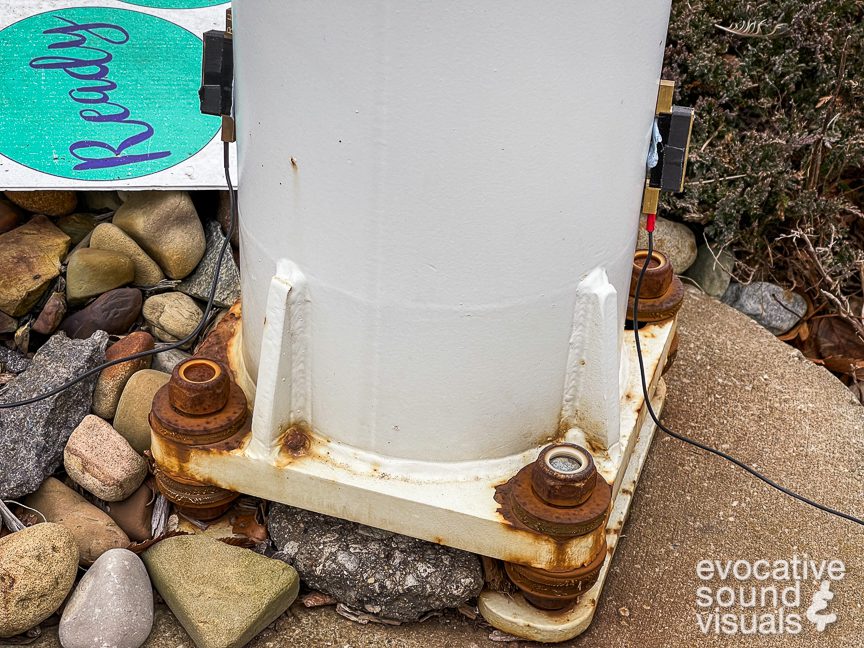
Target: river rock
[
  {"x": 51, "y": 315},
  {"x": 94, "y": 531},
  {"x": 134, "y": 514},
  {"x": 37, "y": 570},
  {"x": 112, "y": 605},
  {"x": 224, "y": 216},
  {"x": 383, "y": 573},
  {"x": 198, "y": 284},
  {"x": 7, "y": 324},
  {"x": 167, "y": 360},
  {"x": 114, "y": 312},
  {"x": 50, "y": 203},
  {"x": 32, "y": 437},
  {"x": 10, "y": 216},
  {"x": 101, "y": 201},
  {"x": 675, "y": 240},
  {"x": 167, "y": 226},
  {"x": 710, "y": 271},
  {"x": 112, "y": 380},
  {"x": 30, "y": 257},
  {"x": 776, "y": 309},
  {"x": 102, "y": 461},
  {"x": 91, "y": 272},
  {"x": 110, "y": 237},
  {"x": 77, "y": 226},
  {"x": 222, "y": 595},
  {"x": 133, "y": 411},
  {"x": 172, "y": 315}
]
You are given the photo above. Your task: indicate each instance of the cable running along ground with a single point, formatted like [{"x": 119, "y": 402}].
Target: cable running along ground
[
  {"x": 174, "y": 345},
  {"x": 752, "y": 471}
]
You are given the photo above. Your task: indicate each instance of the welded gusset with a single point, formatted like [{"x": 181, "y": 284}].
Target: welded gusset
[
  {"x": 560, "y": 495},
  {"x": 200, "y": 405},
  {"x": 662, "y": 291}
]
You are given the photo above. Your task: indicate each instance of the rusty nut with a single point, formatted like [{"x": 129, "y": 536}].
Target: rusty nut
[
  {"x": 199, "y": 386},
  {"x": 564, "y": 475},
  {"x": 657, "y": 278}
]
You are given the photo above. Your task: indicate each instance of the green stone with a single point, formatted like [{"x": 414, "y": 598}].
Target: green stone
[{"x": 222, "y": 595}]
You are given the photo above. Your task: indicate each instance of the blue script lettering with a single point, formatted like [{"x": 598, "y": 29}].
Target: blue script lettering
[{"x": 93, "y": 68}]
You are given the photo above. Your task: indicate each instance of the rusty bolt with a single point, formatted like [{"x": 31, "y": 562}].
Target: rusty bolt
[
  {"x": 564, "y": 475},
  {"x": 661, "y": 293},
  {"x": 199, "y": 386}
]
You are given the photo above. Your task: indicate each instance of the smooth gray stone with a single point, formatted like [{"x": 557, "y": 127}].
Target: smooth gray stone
[
  {"x": 390, "y": 575},
  {"x": 776, "y": 309},
  {"x": 198, "y": 284},
  {"x": 112, "y": 605},
  {"x": 32, "y": 437},
  {"x": 709, "y": 271},
  {"x": 167, "y": 360}
]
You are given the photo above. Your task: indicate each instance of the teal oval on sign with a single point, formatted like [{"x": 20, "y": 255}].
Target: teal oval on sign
[
  {"x": 92, "y": 93},
  {"x": 176, "y": 4}
]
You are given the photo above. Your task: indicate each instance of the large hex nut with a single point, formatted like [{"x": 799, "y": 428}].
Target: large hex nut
[{"x": 564, "y": 475}]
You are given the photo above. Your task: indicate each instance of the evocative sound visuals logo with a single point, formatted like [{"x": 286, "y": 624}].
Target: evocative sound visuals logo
[
  {"x": 762, "y": 597},
  {"x": 176, "y": 4},
  {"x": 91, "y": 93}
]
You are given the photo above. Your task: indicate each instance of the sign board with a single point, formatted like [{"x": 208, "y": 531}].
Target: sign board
[{"x": 103, "y": 94}]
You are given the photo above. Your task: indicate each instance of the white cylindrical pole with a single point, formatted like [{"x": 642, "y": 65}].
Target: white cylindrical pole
[{"x": 444, "y": 175}]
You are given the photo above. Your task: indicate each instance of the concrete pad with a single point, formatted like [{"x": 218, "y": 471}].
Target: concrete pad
[{"x": 735, "y": 386}]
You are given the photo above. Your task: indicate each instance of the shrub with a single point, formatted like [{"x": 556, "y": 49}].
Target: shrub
[{"x": 776, "y": 166}]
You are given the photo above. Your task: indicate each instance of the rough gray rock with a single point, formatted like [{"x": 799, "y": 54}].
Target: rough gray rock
[
  {"x": 198, "y": 283},
  {"x": 32, "y": 437},
  {"x": 711, "y": 270},
  {"x": 112, "y": 605},
  {"x": 390, "y": 575},
  {"x": 776, "y": 309},
  {"x": 12, "y": 361}
]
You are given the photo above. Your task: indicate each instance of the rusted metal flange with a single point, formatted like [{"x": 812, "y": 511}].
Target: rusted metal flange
[
  {"x": 200, "y": 405},
  {"x": 556, "y": 590},
  {"x": 560, "y": 495},
  {"x": 194, "y": 499},
  {"x": 662, "y": 292}
]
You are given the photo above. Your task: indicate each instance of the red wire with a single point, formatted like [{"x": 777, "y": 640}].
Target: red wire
[{"x": 650, "y": 221}]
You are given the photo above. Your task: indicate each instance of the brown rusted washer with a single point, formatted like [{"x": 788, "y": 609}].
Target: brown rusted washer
[
  {"x": 556, "y": 590},
  {"x": 194, "y": 499},
  {"x": 662, "y": 292},
  {"x": 199, "y": 386},
  {"x": 170, "y": 415}
]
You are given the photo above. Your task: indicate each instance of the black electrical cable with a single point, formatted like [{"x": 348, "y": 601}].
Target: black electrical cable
[
  {"x": 174, "y": 345},
  {"x": 675, "y": 435}
]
